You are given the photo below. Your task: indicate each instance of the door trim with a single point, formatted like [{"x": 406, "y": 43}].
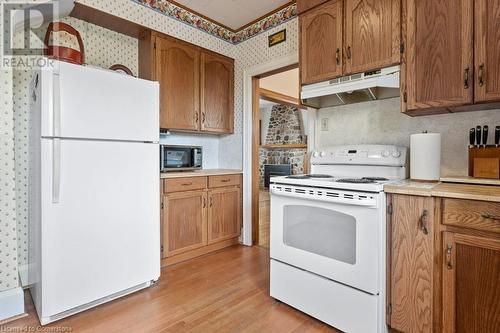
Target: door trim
[{"x": 248, "y": 126}]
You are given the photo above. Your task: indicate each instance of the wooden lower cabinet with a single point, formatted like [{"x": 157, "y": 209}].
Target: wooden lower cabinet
[
  {"x": 185, "y": 222},
  {"x": 223, "y": 214},
  {"x": 199, "y": 216},
  {"x": 411, "y": 263},
  {"x": 443, "y": 265},
  {"x": 471, "y": 283}
]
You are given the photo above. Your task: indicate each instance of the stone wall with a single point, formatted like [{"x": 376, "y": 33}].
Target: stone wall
[{"x": 285, "y": 127}]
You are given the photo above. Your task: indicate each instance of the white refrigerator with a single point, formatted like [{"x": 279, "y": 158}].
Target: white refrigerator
[{"x": 94, "y": 204}]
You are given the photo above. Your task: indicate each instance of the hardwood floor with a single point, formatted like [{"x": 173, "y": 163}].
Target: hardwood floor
[
  {"x": 227, "y": 291},
  {"x": 264, "y": 218}
]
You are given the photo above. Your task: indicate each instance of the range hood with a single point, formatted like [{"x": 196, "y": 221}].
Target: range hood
[{"x": 356, "y": 88}]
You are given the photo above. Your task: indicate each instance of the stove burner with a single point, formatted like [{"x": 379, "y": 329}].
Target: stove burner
[
  {"x": 377, "y": 179},
  {"x": 298, "y": 177},
  {"x": 356, "y": 181},
  {"x": 319, "y": 176}
]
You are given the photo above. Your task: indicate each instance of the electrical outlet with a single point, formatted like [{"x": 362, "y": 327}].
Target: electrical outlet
[{"x": 324, "y": 124}]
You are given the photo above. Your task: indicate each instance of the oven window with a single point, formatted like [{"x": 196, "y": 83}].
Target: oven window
[{"x": 321, "y": 231}]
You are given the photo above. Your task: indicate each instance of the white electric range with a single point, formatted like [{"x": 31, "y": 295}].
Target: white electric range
[{"x": 328, "y": 235}]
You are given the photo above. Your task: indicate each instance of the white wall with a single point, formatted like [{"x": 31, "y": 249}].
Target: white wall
[{"x": 381, "y": 122}]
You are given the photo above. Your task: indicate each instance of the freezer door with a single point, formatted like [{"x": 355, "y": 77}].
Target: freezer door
[
  {"x": 91, "y": 103},
  {"x": 100, "y": 220}
]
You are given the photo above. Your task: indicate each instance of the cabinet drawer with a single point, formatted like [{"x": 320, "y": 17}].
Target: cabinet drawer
[
  {"x": 479, "y": 215},
  {"x": 224, "y": 180},
  {"x": 184, "y": 184}
]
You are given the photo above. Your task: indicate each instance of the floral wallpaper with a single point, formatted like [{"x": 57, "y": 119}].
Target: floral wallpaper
[
  {"x": 8, "y": 228},
  {"x": 185, "y": 16}
]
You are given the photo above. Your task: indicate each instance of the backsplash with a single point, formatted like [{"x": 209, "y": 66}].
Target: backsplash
[
  {"x": 209, "y": 143},
  {"x": 381, "y": 122}
]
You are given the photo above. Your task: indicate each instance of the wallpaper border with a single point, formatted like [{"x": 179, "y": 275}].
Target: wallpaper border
[{"x": 182, "y": 15}]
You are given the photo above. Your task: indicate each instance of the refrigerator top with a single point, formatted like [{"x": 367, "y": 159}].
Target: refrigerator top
[{"x": 82, "y": 102}]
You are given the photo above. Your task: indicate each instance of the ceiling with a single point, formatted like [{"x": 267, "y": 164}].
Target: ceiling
[{"x": 233, "y": 14}]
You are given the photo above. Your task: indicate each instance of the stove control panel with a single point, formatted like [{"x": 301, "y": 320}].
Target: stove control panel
[{"x": 361, "y": 155}]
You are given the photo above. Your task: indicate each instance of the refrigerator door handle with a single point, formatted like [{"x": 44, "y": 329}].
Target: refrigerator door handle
[
  {"x": 56, "y": 169},
  {"x": 56, "y": 121}
]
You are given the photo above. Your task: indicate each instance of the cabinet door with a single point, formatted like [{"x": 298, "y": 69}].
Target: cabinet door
[
  {"x": 487, "y": 48},
  {"x": 177, "y": 70},
  {"x": 305, "y": 5},
  {"x": 438, "y": 65},
  {"x": 411, "y": 263},
  {"x": 471, "y": 284},
  {"x": 185, "y": 223},
  {"x": 321, "y": 43},
  {"x": 224, "y": 217},
  {"x": 372, "y": 34},
  {"x": 217, "y": 93}
]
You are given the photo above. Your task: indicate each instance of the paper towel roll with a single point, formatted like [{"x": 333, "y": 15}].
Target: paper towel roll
[{"x": 425, "y": 156}]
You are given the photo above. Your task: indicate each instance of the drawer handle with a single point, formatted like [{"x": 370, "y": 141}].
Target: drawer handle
[
  {"x": 449, "y": 248},
  {"x": 204, "y": 202},
  {"x": 424, "y": 219},
  {"x": 226, "y": 180},
  {"x": 187, "y": 184},
  {"x": 490, "y": 216}
]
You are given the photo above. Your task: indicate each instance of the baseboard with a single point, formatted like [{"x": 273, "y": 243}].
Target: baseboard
[{"x": 11, "y": 303}]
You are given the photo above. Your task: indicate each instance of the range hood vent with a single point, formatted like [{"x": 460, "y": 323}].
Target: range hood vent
[{"x": 356, "y": 88}]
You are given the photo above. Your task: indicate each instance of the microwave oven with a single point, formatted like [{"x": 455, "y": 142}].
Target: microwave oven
[{"x": 180, "y": 158}]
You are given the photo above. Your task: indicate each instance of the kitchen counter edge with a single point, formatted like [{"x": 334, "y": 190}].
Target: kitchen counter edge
[{"x": 445, "y": 190}]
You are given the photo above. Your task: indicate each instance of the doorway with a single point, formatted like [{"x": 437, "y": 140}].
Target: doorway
[{"x": 280, "y": 140}]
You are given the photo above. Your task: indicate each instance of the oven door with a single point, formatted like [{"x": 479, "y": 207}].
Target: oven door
[{"x": 336, "y": 234}]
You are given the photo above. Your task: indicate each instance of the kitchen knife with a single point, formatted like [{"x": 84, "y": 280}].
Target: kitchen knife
[
  {"x": 478, "y": 136},
  {"x": 485, "y": 135},
  {"x": 472, "y": 137},
  {"x": 497, "y": 136}
]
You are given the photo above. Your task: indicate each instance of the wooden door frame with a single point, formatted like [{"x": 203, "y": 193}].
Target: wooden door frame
[
  {"x": 251, "y": 140},
  {"x": 248, "y": 130}
]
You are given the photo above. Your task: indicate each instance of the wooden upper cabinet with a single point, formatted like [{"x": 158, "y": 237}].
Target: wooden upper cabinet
[
  {"x": 372, "y": 34},
  {"x": 177, "y": 70},
  {"x": 305, "y": 5},
  {"x": 184, "y": 222},
  {"x": 217, "y": 85},
  {"x": 438, "y": 68},
  {"x": 321, "y": 43},
  {"x": 224, "y": 215},
  {"x": 410, "y": 284},
  {"x": 471, "y": 283},
  {"x": 487, "y": 50}
]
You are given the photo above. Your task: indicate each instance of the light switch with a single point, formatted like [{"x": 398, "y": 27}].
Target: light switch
[{"x": 324, "y": 124}]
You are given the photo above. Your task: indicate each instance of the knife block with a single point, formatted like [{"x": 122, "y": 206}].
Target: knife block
[{"x": 484, "y": 162}]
